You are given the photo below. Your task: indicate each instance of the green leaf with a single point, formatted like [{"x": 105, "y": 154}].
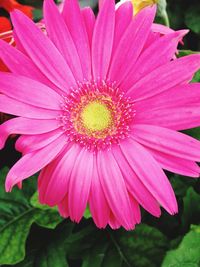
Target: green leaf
[
  {"x": 191, "y": 212},
  {"x": 145, "y": 246},
  {"x": 192, "y": 18},
  {"x": 16, "y": 218},
  {"x": 187, "y": 254}
]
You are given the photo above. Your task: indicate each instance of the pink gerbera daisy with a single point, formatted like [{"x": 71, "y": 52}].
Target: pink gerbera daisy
[{"x": 98, "y": 111}]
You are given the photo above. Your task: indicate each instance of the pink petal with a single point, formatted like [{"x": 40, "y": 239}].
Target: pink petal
[
  {"x": 174, "y": 164},
  {"x": 167, "y": 141},
  {"x": 131, "y": 44},
  {"x": 115, "y": 189},
  {"x": 98, "y": 205},
  {"x": 63, "y": 207},
  {"x": 102, "y": 41},
  {"x": 75, "y": 23},
  {"x": 60, "y": 36},
  {"x": 123, "y": 17},
  {"x": 33, "y": 162},
  {"x": 177, "y": 108},
  {"x": 19, "y": 63},
  {"x": 53, "y": 188},
  {"x": 29, "y": 143},
  {"x": 165, "y": 47},
  {"x": 135, "y": 186},
  {"x": 89, "y": 20},
  {"x": 114, "y": 223},
  {"x": 151, "y": 174},
  {"x": 25, "y": 126},
  {"x": 14, "y": 107},
  {"x": 29, "y": 91},
  {"x": 42, "y": 51},
  {"x": 176, "y": 72},
  {"x": 135, "y": 209},
  {"x": 80, "y": 183}
]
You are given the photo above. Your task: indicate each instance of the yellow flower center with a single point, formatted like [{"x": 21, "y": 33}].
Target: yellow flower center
[{"x": 96, "y": 116}]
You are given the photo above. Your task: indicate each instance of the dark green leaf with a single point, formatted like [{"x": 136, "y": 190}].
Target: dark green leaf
[{"x": 187, "y": 254}]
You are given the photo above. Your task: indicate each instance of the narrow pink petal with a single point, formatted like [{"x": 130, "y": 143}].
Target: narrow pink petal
[
  {"x": 135, "y": 209},
  {"x": 25, "y": 126},
  {"x": 174, "y": 164},
  {"x": 19, "y": 63},
  {"x": 175, "y": 118},
  {"x": 176, "y": 72},
  {"x": 59, "y": 34},
  {"x": 29, "y": 143},
  {"x": 102, "y": 41},
  {"x": 177, "y": 108},
  {"x": 135, "y": 186},
  {"x": 75, "y": 23},
  {"x": 14, "y": 107},
  {"x": 42, "y": 51},
  {"x": 80, "y": 183},
  {"x": 181, "y": 95},
  {"x": 89, "y": 20},
  {"x": 162, "y": 29},
  {"x": 33, "y": 162},
  {"x": 151, "y": 174},
  {"x": 29, "y": 91},
  {"x": 165, "y": 47},
  {"x": 114, "y": 223},
  {"x": 123, "y": 17},
  {"x": 131, "y": 44},
  {"x": 53, "y": 190},
  {"x": 115, "y": 189},
  {"x": 63, "y": 207},
  {"x": 167, "y": 141},
  {"x": 98, "y": 204}
]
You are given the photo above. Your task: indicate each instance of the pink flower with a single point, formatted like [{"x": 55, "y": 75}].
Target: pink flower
[{"x": 98, "y": 114}]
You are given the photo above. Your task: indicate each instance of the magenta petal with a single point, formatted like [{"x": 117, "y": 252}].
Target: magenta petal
[
  {"x": 115, "y": 189},
  {"x": 177, "y": 108},
  {"x": 33, "y": 162},
  {"x": 150, "y": 174},
  {"x": 14, "y": 107},
  {"x": 80, "y": 183},
  {"x": 135, "y": 186},
  {"x": 75, "y": 23},
  {"x": 102, "y": 41},
  {"x": 131, "y": 44},
  {"x": 167, "y": 141},
  {"x": 13, "y": 58},
  {"x": 42, "y": 51},
  {"x": 123, "y": 17},
  {"x": 98, "y": 204},
  {"x": 166, "y": 77},
  {"x": 29, "y": 91},
  {"x": 29, "y": 143},
  {"x": 60, "y": 36},
  {"x": 25, "y": 126},
  {"x": 63, "y": 207},
  {"x": 175, "y": 164},
  {"x": 53, "y": 188},
  {"x": 165, "y": 47},
  {"x": 89, "y": 20}
]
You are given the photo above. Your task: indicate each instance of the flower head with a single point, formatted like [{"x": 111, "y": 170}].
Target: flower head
[{"x": 99, "y": 111}]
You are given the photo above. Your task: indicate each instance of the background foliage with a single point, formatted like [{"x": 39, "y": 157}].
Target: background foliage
[{"x": 35, "y": 235}]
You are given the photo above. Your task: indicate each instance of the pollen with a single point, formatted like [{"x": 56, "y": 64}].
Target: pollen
[{"x": 96, "y": 116}]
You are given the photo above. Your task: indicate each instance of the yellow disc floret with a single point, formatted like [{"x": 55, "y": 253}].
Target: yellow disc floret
[{"x": 96, "y": 116}]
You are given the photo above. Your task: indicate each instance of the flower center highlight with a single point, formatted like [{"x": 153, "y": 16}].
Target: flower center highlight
[{"x": 96, "y": 116}]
